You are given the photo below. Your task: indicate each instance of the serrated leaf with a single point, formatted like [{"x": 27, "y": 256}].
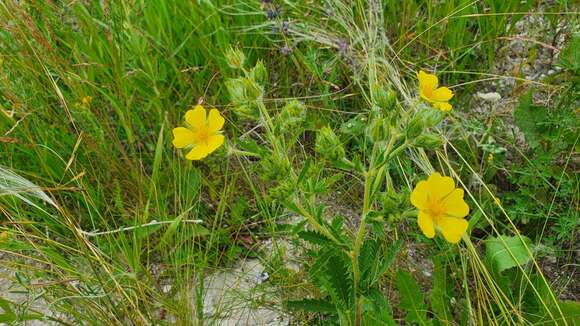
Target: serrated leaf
[
  {"x": 506, "y": 252},
  {"x": 311, "y": 305},
  {"x": 412, "y": 300},
  {"x": 377, "y": 310},
  {"x": 441, "y": 293},
  {"x": 315, "y": 238},
  {"x": 570, "y": 55},
  {"x": 375, "y": 260}
]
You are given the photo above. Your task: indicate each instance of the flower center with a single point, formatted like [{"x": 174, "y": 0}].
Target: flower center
[
  {"x": 428, "y": 92},
  {"x": 202, "y": 135},
  {"x": 435, "y": 209}
]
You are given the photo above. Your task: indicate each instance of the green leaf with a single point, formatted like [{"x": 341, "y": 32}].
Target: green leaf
[
  {"x": 412, "y": 300},
  {"x": 377, "y": 310},
  {"x": 8, "y": 316},
  {"x": 441, "y": 293},
  {"x": 570, "y": 312},
  {"x": 315, "y": 238},
  {"x": 570, "y": 55},
  {"x": 375, "y": 260},
  {"x": 311, "y": 305},
  {"x": 506, "y": 252},
  {"x": 528, "y": 117}
]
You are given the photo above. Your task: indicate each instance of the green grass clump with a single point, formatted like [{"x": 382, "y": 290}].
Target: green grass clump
[{"x": 103, "y": 221}]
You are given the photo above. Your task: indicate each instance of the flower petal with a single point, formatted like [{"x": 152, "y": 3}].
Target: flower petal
[
  {"x": 214, "y": 142},
  {"x": 215, "y": 120},
  {"x": 420, "y": 195},
  {"x": 452, "y": 228},
  {"x": 196, "y": 117},
  {"x": 454, "y": 204},
  {"x": 198, "y": 152},
  {"x": 182, "y": 137},
  {"x": 442, "y": 94},
  {"x": 426, "y": 224},
  {"x": 443, "y": 106},
  {"x": 427, "y": 81},
  {"x": 439, "y": 186}
]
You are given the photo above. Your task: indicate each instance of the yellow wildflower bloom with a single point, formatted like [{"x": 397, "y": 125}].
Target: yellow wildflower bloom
[
  {"x": 203, "y": 134},
  {"x": 4, "y": 235},
  {"x": 497, "y": 201},
  {"x": 441, "y": 206},
  {"x": 438, "y": 97},
  {"x": 490, "y": 157},
  {"x": 86, "y": 100}
]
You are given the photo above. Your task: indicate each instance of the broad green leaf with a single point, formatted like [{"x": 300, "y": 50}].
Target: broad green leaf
[
  {"x": 528, "y": 117},
  {"x": 441, "y": 293},
  {"x": 412, "y": 300},
  {"x": 506, "y": 252}
]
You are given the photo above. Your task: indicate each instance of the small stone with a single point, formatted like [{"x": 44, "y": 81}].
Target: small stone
[{"x": 490, "y": 97}]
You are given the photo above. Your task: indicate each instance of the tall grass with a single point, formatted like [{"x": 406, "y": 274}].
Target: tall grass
[{"x": 101, "y": 214}]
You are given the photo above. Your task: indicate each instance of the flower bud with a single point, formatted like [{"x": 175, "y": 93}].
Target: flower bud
[
  {"x": 253, "y": 90},
  {"x": 259, "y": 73},
  {"x": 236, "y": 89},
  {"x": 415, "y": 127},
  {"x": 384, "y": 98},
  {"x": 432, "y": 117},
  {"x": 328, "y": 145},
  {"x": 235, "y": 58},
  {"x": 428, "y": 141}
]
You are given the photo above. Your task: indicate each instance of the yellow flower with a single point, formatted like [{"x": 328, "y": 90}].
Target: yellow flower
[
  {"x": 429, "y": 91},
  {"x": 497, "y": 201},
  {"x": 4, "y": 235},
  {"x": 203, "y": 134},
  {"x": 490, "y": 157},
  {"x": 441, "y": 206},
  {"x": 86, "y": 100}
]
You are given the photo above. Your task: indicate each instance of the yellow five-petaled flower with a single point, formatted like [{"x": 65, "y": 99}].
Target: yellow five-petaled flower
[
  {"x": 438, "y": 97},
  {"x": 441, "y": 206},
  {"x": 203, "y": 134}
]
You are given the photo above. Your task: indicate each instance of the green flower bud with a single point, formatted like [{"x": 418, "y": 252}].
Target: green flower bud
[
  {"x": 428, "y": 141},
  {"x": 253, "y": 90},
  {"x": 328, "y": 145},
  {"x": 432, "y": 117},
  {"x": 237, "y": 90},
  {"x": 235, "y": 58},
  {"x": 415, "y": 127},
  {"x": 384, "y": 98},
  {"x": 292, "y": 115},
  {"x": 259, "y": 73},
  {"x": 375, "y": 128}
]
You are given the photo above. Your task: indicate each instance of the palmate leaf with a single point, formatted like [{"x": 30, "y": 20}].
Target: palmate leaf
[
  {"x": 506, "y": 252},
  {"x": 412, "y": 300}
]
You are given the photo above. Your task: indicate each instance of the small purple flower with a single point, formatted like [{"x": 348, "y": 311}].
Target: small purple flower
[
  {"x": 342, "y": 47},
  {"x": 273, "y": 13},
  {"x": 286, "y": 50},
  {"x": 285, "y": 27}
]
